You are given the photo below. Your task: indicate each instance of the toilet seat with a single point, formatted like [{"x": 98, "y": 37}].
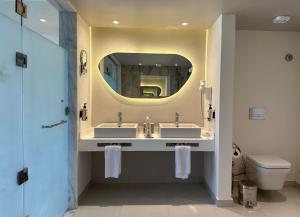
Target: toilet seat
[{"x": 269, "y": 162}]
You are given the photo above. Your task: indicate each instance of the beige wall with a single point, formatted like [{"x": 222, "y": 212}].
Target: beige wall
[
  {"x": 264, "y": 79},
  {"x": 83, "y": 85},
  {"x": 106, "y": 103}
]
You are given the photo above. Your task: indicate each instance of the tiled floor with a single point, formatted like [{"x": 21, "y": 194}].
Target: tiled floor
[{"x": 179, "y": 200}]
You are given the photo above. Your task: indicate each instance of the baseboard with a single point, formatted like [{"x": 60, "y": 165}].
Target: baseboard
[
  {"x": 224, "y": 203},
  {"x": 84, "y": 192}
]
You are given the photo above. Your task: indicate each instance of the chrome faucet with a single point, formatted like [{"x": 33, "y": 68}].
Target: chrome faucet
[
  {"x": 119, "y": 119},
  {"x": 177, "y": 119}
]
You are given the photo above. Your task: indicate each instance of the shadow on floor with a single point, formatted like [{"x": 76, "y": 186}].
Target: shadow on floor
[
  {"x": 146, "y": 194},
  {"x": 270, "y": 196}
]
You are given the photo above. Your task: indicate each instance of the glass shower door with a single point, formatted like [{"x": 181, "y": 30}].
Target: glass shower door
[
  {"x": 11, "y": 148},
  {"x": 44, "y": 119},
  {"x": 44, "y": 127}
]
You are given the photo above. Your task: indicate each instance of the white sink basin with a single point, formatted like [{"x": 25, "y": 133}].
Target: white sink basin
[
  {"x": 185, "y": 130},
  {"x": 111, "y": 130}
]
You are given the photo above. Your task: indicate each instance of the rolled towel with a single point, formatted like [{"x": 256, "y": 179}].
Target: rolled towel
[
  {"x": 182, "y": 161},
  {"x": 112, "y": 161}
]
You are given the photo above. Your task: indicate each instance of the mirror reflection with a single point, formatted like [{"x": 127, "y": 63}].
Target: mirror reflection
[{"x": 139, "y": 75}]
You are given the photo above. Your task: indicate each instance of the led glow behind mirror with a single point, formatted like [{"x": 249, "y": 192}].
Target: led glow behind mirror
[{"x": 139, "y": 75}]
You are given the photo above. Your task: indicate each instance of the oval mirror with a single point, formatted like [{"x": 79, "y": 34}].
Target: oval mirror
[{"x": 140, "y": 75}]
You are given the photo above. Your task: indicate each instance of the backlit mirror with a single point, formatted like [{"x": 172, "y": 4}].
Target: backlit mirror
[{"x": 140, "y": 75}]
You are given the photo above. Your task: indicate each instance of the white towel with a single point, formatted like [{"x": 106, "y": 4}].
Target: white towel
[
  {"x": 182, "y": 161},
  {"x": 112, "y": 161}
]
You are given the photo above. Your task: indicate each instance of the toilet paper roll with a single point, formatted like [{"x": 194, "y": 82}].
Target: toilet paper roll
[{"x": 236, "y": 153}]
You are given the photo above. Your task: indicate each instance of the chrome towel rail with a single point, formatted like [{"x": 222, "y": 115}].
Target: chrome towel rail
[{"x": 54, "y": 125}]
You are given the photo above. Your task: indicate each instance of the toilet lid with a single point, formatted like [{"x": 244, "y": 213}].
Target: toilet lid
[{"x": 269, "y": 162}]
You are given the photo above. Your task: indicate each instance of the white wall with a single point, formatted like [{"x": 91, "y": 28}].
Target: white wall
[
  {"x": 188, "y": 43},
  {"x": 213, "y": 61},
  {"x": 225, "y": 107},
  {"x": 220, "y": 75},
  {"x": 83, "y": 84},
  {"x": 264, "y": 79}
]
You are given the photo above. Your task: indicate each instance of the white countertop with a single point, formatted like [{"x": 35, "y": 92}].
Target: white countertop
[{"x": 88, "y": 142}]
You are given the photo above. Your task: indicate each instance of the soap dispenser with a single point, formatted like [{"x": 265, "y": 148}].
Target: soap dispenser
[
  {"x": 210, "y": 113},
  {"x": 83, "y": 113}
]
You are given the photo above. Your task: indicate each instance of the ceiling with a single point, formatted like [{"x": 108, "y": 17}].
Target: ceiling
[{"x": 251, "y": 14}]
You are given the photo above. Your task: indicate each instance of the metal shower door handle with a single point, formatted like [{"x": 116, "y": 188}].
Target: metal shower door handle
[{"x": 54, "y": 125}]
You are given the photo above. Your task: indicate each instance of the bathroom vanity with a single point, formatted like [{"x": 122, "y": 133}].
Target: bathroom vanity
[{"x": 89, "y": 143}]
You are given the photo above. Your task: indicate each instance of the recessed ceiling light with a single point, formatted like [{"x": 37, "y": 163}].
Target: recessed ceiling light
[
  {"x": 115, "y": 22},
  {"x": 140, "y": 64},
  {"x": 184, "y": 24},
  {"x": 281, "y": 19},
  {"x": 43, "y": 20}
]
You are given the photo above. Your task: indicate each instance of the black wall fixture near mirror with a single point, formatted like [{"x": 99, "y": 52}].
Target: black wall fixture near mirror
[
  {"x": 140, "y": 75},
  {"x": 83, "y": 62}
]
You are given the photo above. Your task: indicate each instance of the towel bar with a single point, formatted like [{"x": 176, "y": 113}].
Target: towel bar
[
  {"x": 54, "y": 125},
  {"x": 107, "y": 144},
  {"x": 187, "y": 144}
]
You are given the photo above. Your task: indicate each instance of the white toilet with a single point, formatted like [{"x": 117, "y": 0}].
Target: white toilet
[{"x": 269, "y": 172}]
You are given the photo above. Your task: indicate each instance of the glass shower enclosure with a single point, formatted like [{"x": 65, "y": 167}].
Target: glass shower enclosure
[{"x": 33, "y": 129}]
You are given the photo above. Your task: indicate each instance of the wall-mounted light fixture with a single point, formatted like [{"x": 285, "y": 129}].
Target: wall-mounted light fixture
[{"x": 83, "y": 62}]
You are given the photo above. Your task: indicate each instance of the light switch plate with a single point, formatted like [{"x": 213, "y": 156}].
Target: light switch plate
[{"x": 257, "y": 114}]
